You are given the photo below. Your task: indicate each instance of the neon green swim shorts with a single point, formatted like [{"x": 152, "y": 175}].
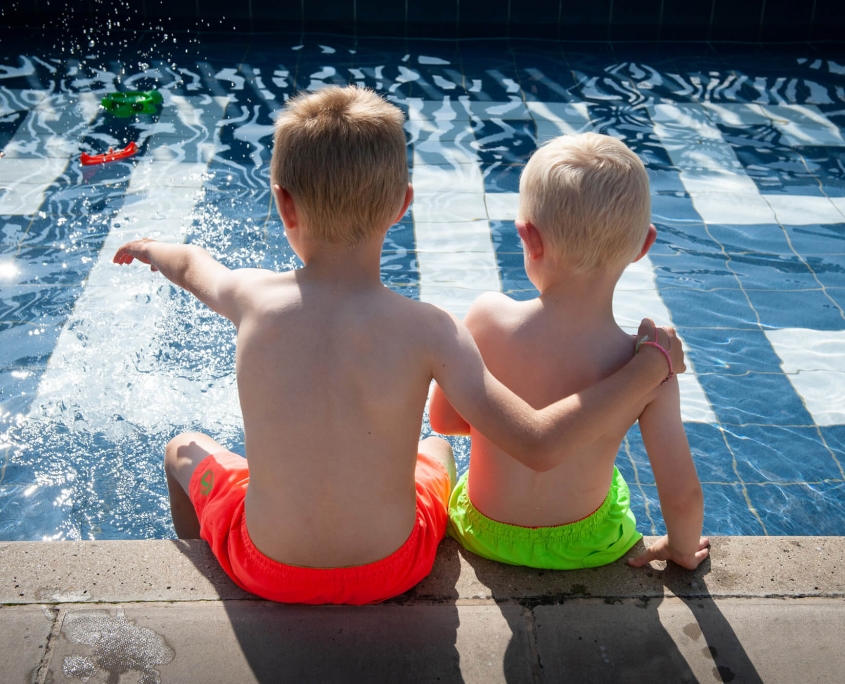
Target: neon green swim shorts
[{"x": 598, "y": 539}]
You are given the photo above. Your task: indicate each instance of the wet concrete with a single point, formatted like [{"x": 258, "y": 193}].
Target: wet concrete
[{"x": 763, "y": 609}]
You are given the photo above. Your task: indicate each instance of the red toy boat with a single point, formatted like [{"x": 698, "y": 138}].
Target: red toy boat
[{"x": 110, "y": 156}]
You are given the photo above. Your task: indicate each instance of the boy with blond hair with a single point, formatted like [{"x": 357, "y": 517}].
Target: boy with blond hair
[
  {"x": 337, "y": 502},
  {"x": 584, "y": 215}
]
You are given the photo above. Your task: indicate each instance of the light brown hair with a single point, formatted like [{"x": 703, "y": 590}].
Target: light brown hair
[
  {"x": 588, "y": 196},
  {"x": 340, "y": 153}
]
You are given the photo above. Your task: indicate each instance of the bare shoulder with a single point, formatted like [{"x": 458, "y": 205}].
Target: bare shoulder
[
  {"x": 493, "y": 313},
  {"x": 258, "y": 287}
]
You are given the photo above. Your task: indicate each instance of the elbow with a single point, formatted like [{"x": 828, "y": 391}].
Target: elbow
[
  {"x": 687, "y": 503},
  {"x": 540, "y": 457}
]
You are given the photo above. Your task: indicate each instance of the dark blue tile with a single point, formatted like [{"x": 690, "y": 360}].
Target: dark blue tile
[
  {"x": 483, "y": 18},
  {"x": 830, "y": 270},
  {"x": 501, "y": 176},
  {"x": 797, "y": 509},
  {"x": 645, "y": 505},
  {"x": 729, "y": 352},
  {"x": 632, "y": 459},
  {"x": 756, "y": 398},
  {"x": 28, "y": 343},
  {"x": 818, "y": 240},
  {"x": 709, "y": 308},
  {"x": 585, "y": 21},
  {"x": 834, "y": 436},
  {"x": 507, "y": 142},
  {"x": 635, "y": 19},
  {"x": 767, "y": 272},
  {"x": 758, "y": 238},
  {"x": 685, "y": 238},
  {"x": 37, "y": 303},
  {"x": 712, "y": 458},
  {"x": 666, "y": 180},
  {"x": 726, "y": 512},
  {"x": 768, "y": 454},
  {"x": 433, "y": 19},
  {"x": 684, "y": 20},
  {"x": 380, "y": 18},
  {"x": 539, "y": 19},
  {"x": 777, "y": 170},
  {"x": 400, "y": 237},
  {"x": 696, "y": 270},
  {"x": 808, "y": 309},
  {"x": 828, "y": 22},
  {"x": 505, "y": 237}
]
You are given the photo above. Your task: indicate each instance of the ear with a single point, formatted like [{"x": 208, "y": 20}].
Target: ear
[
  {"x": 531, "y": 238},
  {"x": 286, "y": 206},
  {"x": 650, "y": 237},
  {"x": 409, "y": 197}
]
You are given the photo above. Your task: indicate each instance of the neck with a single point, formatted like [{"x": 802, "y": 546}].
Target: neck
[
  {"x": 353, "y": 267},
  {"x": 580, "y": 295}
]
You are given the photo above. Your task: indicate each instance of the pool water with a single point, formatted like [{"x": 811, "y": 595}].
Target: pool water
[{"x": 100, "y": 366}]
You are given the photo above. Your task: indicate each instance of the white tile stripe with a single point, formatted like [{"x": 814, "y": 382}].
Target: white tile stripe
[
  {"x": 130, "y": 304},
  {"x": 814, "y": 362},
  {"x": 455, "y": 253},
  {"x": 715, "y": 179},
  {"x": 39, "y": 151}
]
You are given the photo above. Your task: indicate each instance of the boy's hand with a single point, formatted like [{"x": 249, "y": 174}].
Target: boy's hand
[
  {"x": 667, "y": 339},
  {"x": 662, "y": 551},
  {"x": 137, "y": 249}
]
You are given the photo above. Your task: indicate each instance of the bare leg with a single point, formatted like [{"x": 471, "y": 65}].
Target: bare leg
[
  {"x": 440, "y": 449},
  {"x": 181, "y": 457}
]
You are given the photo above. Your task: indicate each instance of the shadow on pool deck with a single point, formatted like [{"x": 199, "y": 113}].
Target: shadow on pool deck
[{"x": 763, "y": 609}]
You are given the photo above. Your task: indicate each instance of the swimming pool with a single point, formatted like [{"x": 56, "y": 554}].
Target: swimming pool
[{"x": 100, "y": 366}]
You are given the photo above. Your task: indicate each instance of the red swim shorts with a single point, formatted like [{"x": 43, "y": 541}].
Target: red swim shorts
[{"x": 217, "y": 490}]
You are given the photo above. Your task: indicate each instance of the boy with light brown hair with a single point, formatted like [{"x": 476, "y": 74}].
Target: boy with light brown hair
[
  {"x": 584, "y": 215},
  {"x": 337, "y": 502}
]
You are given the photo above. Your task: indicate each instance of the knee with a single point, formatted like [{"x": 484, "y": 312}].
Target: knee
[{"x": 171, "y": 451}]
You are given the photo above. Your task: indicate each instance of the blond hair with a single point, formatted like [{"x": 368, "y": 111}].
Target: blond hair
[
  {"x": 340, "y": 153},
  {"x": 588, "y": 196}
]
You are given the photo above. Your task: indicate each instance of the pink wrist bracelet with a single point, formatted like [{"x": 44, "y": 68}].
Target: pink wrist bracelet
[{"x": 665, "y": 353}]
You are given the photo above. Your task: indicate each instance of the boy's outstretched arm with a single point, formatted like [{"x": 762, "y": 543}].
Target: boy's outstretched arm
[
  {"x": 191, "y": 268},
  {"x": 681, "y": 499},
  {"x": 540, "y": 439}
]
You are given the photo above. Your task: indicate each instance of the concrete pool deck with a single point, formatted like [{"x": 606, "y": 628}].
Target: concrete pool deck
[{"x": 768, "y": 609}]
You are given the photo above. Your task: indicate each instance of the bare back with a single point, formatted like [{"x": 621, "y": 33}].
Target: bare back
[
  {"x": 332, "y": 390},
  {"x": 543, "y": 353}
]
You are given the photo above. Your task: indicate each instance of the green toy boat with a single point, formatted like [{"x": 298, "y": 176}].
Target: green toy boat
[{"x": 132, "y": 102}]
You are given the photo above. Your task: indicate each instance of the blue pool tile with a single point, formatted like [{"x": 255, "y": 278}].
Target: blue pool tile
[
  {"x": 837, "y": 294},
  {"x": 37, "y": 303},
  {"x": 505, "y": 237},
  {"x": 711, "y": 456},
  {"x": 501, "y": 176},
  {"x": 834, "y": 435},
  {"x": 664, "y": 179},
  {"x": 806, "y": 309},
  {"x": 685, "y": 237},
  {"x": 701, "y": 271},
  {"x": 28, "y": 345},
  {"x": 709, "y": 308},
  {"x": 830, "y": 270},
  {"x": 759, "y": 238},
  {"x": 726, "y": 512},
  {"x": 645, "y": 505},
  {"x": 632, "y": 459},
  {"x": 758, "y": 398},
  {"x": 801, "y": 509},
  {"x": 769, "y": 454},
  {"x": 764, "y": 272},
  {"x": 673, "y": 207},
  {"x": 400, "y": 237},
  {"x": 730, "y": 352},
  {"x": 818, "y": 239}
]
